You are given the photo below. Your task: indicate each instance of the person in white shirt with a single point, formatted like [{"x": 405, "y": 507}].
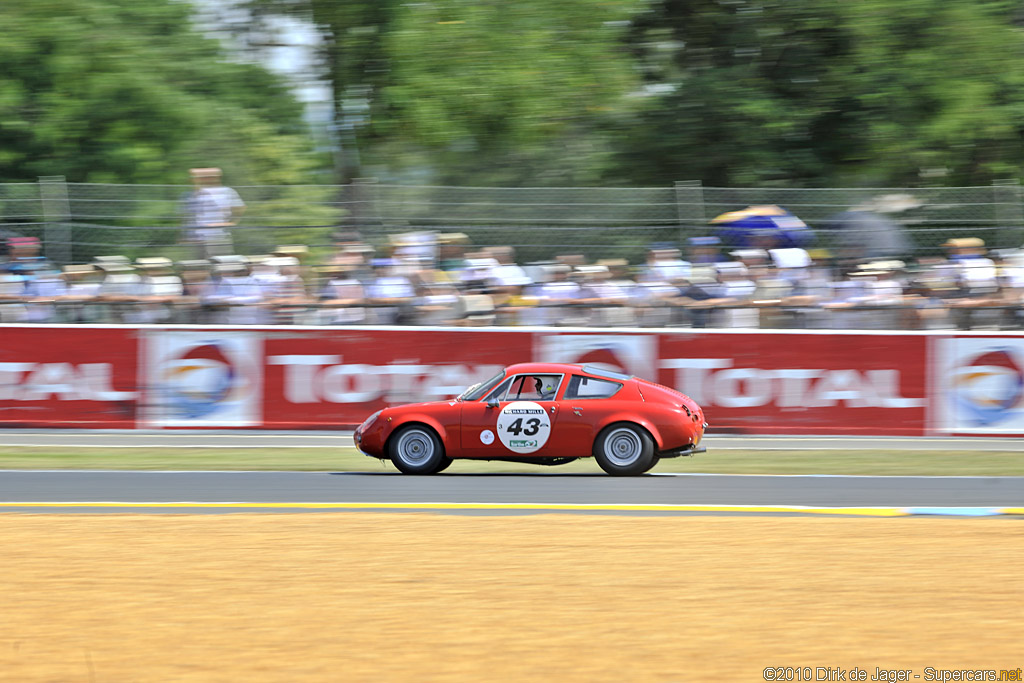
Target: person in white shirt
[
  {"x": 41, "y": 291},
  {"x": 664, "y": 265},
  {"x": 159, "y": 288},
  {"x": 239, "y": 295},
  {"x": 734, "y": 287},
  {"x": 119, "y": 288},
  {"x": 343, "y": 296},
  {"x": 391, "y": 292},
  {"x": 211, "y": 210}
]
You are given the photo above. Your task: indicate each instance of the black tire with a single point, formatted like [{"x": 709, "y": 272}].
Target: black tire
[
  {"x": 445, "y": 462},
  {"x": 654, "y": 461},
  {"x": 416, "y": 449},
  {"x": 624, "y": 450}
]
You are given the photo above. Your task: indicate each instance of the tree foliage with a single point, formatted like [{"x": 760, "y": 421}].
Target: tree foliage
[
  {"x": 471, "y": 92},
  {"x": 130, "y": 92},
  {"x": 817, "y": 92},
  {"x": 487, "y": 92}
]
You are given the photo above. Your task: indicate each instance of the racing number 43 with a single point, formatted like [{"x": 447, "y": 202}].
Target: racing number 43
[{"x": 532, "y": 427}]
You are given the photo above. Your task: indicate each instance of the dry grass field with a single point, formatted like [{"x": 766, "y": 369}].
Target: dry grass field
[{"x": 430, "y": 597}]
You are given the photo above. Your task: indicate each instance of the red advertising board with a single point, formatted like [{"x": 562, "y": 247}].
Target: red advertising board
[
  {"x": 861, "y": 384},
  {"x": 332, "y": 378},
  {"x": 68, "y": 377},
  {"x": 774, "y": 382}
]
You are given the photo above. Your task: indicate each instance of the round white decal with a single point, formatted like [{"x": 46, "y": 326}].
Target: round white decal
[
  {"x": 523, "y": 426},
  {"x": 487, "y": 436}
]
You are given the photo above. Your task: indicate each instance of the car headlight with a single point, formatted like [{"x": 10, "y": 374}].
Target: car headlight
[{"x": 369, "y": 421}]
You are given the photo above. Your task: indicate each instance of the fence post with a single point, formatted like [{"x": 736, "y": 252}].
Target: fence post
[
  {"x": 53, "y": 194},
  {"x": 1007, "y": 198},
  {"x": 689, "y": 206},
  {"x": 365, "y": 212}
]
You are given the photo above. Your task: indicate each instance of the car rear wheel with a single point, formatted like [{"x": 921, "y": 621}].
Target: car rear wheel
[
  {"x": 624, "y": 450},
  {"x": 417, "y": 450}
]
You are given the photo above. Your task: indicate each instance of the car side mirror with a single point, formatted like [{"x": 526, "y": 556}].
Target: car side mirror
[{"x": 492, "y": 403}]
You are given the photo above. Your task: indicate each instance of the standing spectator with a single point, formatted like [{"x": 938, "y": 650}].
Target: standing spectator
[
  {"x": 119, "y": 288},
  {"x": 290, "y": 298},
  {"x": 159, "y": 288},
  {"x": 211, "y": 210},
  {"x": 343, "y": 296},
  {"x": 239, "y": 296},
  {"x": 451, "y": 251},
  {"x": 734, "y": 287},
  {"x": 1011, "y": 288},
  {"x": 42, "y": 291},
  {"x": 977, "y": 282},
  {"x": 350, "y": 251},
  {"x": 664, "y": 265},
  {"x": 81, "y": 286},
  {"x": 507, "y": 273},
  {"x": 390, "y": 293},
  {"x": 24, "y": 259},
  {"x": 558, "y": 295},
  {"x": 436, "y": 299},
  {"x": 197, "y": 288}
]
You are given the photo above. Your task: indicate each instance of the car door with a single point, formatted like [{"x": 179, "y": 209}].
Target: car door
[
  {"x": 586, "y": 402},
  {"x": 517, "y": 419}
]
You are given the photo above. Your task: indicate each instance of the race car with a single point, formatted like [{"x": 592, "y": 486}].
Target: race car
[{"x": 541, "y": 413}]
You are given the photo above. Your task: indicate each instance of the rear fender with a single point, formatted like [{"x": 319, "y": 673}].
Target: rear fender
[{"x": 635, "y": 419}]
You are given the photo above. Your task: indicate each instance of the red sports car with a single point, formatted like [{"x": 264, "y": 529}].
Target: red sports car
[{"x": 542, "y": 413}]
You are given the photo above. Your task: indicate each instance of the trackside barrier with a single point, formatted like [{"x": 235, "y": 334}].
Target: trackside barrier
[{"x": 294, "y": 377}]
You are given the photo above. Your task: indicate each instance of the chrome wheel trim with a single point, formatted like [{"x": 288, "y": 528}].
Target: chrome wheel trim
[
  {"x": 415, "y": 447},
  {"x": 623, "y": 447}
]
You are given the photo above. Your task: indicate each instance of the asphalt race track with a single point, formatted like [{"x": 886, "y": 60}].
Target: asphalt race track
[
  {"x": 546, "y": 491},
  {"x": 666, "y": 493}
]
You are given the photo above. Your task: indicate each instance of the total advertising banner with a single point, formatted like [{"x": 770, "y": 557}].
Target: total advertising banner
[
  {"x": 774, "y": 383},
  {"x": 51, "y": 377},
  {"x": 769, "y": 382},
  {"x": 979, "y": 383}
]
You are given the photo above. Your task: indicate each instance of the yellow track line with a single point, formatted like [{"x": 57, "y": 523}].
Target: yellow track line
[{"x": 626, "y": 507}]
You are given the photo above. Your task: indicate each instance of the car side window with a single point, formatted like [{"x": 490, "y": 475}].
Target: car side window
[
  {"x": 527, "y": 388},
  {"x": 591, "y": 387},
  {"x": 538, "y": 387}
]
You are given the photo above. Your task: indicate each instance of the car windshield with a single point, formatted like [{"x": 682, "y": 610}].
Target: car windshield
[{"x": 480, "y": 389}]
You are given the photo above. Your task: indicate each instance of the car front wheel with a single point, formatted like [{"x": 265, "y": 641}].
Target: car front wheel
[
  {"x": 417, "y": 450},
  {"x": 624, "y": 450}
]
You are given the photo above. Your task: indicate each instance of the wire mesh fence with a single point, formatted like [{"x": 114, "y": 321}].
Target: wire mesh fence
[{"x": 78, "y": 221}]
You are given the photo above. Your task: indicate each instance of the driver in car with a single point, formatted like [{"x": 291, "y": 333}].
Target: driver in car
[{"x": 545, "y": 392}]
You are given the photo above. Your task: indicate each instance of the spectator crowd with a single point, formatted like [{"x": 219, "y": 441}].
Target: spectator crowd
[{"x": 440, "y": 278}]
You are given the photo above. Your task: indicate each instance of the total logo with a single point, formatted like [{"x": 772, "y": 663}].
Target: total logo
[
  {"x": 200, "y": 381},
  {"x": 989, "y": 387},
  {"x": 204, "y": 381}
]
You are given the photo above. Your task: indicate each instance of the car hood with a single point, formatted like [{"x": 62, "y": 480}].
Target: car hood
[{"x": 425, "y": 404}]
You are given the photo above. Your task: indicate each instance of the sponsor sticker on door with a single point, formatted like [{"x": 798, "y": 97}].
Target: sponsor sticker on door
[{"x": 523, "y": 426}]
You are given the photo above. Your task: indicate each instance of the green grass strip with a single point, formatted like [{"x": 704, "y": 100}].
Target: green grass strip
[{"x": 863, "y": 462}]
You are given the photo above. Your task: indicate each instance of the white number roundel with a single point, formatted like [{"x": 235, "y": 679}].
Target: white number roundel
[{"x": 523, "y": 426}]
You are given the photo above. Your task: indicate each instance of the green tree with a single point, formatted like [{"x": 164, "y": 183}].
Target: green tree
[
  {"x": 818, "y": 92},
  {"x": 474, "y": 92},
  {"x": 129, "y": 92}
]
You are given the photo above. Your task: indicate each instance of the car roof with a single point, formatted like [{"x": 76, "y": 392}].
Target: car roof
[{"x": 519, "y": 368}]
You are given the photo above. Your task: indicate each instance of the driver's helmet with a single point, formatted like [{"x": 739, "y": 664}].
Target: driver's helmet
[{"x": 545, "y": 388}]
